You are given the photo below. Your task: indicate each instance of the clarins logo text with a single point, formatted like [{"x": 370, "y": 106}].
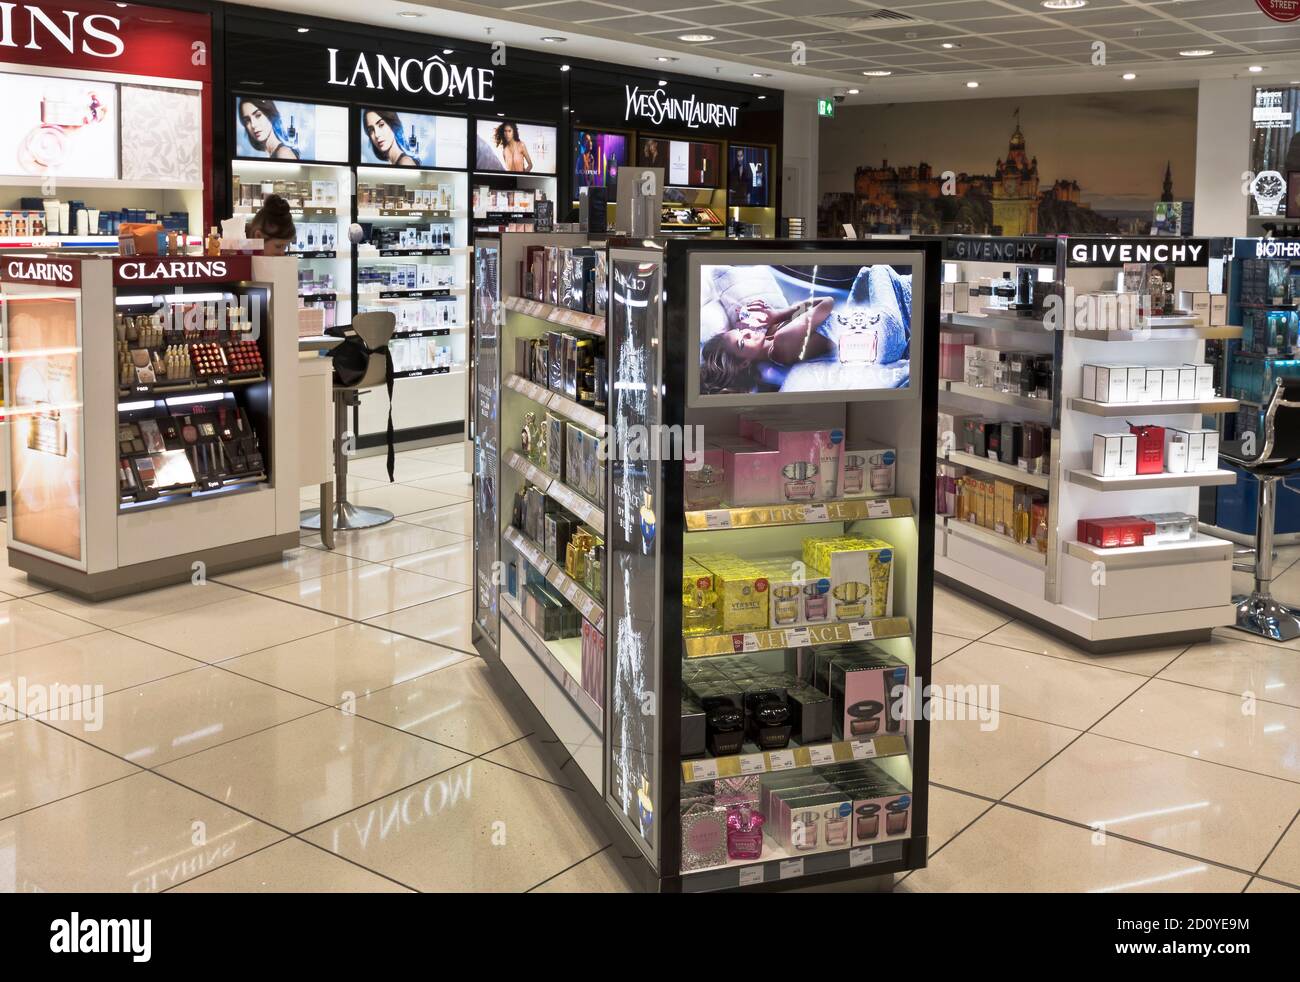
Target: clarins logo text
[
  {"x": 173, "y": 269},
  {"x": 34, "y": 28}
]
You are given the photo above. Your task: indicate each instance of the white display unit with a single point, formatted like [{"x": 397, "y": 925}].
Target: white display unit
[{"x": 1100, "y": 599}]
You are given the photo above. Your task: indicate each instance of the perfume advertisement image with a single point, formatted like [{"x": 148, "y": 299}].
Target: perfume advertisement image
[
  {"x": 44, "y": 413},
  {"x": 402, "y": 139},
  {"x": 686, "y": 164},
  {"x": 747, "y": 176},
  {"x": 514, "y": 148},
  {"x": 278, "y": 130},
  {"x": 804, "y": 328},
  {"x": 64, "y": 127},
  {"x": 597, "y": 158}
]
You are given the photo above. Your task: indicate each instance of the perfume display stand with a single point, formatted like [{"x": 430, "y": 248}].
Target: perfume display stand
[
  {"x": 152, "y": 405},
  {"x": 702, "y": 735},
  {"x": 1018, "y": 436}
]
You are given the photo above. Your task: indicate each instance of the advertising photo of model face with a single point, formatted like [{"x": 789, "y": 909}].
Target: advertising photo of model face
[{"x": 514, "y": 148}]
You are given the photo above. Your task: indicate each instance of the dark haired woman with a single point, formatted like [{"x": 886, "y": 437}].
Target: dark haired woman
[
  {"x": 262, "y": 125},
  {"x": 513, "y": 151},
  {"x": 388, "y": 137},
  {"x": 273, "y": 224}
]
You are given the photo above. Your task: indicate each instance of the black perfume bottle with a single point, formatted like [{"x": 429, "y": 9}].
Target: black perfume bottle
[
  {"x": 292, "y": 134},
  {"x": 769, "y": 720},
  {"x": 725, "y": 725}
]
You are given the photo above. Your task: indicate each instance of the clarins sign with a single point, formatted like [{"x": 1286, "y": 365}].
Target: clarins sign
[
  {"x": 45, "y": 272},
  {"x": 50, "y": 28},
  {"x": 392, "y": 73},
  {"x": 656, "y": 107},
  {"x": 142, "y": 271}
]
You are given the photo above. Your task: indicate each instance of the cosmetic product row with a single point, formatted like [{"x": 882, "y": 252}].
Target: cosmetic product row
[
  {"x": 1269, "y": 332},
  {"x": 574, "y": 278},
  {"x": 249, "y": 195},
  {"x": 1023, "y": 444},
  {"x": 1022, "y": 373},
  {"x": 1138, "y": 530},
  {"x": 571, "y": 365},
  {"x": 175, "y": 362},
  {"x": 486, "y": 199},
  {"x": 311, "y": 281},
  {"x": 315, "y": 237},
  {"x": 435, "y": 235},
  {"x": 565, "y": 451},
  {"x": 406, "y": 276},
  {"x": 551, "y": 615},
  {"x": 178, "y": 321},
  {"x": 37, "y": 217},
  {"x": 1018, "y": 512},
  {"x": 164, "y": 454},
  {"x": 419, "y": 354},
  {"x": 403, "y": 197},
  {"x": 1147, "y": 383},
  {"x": 1155, "y": 450},
  {"x": 563, "y": 538},
  {"x": 416, "y": 313}
]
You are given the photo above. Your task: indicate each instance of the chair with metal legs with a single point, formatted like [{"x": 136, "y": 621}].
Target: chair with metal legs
[
  {"x": 375, "y": 329},
  {"x": 1279, "y": 452}
]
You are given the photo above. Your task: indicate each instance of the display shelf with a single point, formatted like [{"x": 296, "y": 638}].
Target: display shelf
[
  {"x": 1212, "y": 406},
  {"x": 430, "y": 332},
  {"x": 1002, "y": 543},
  {"x": 793, "y": 758},
  {"x": 812, "y": 513},
  {"x": 534, "y": 474},
  {"x": 577, "y": 319},
  {"x": 986, "y": 394},
  {"x": 421, "y": 372},
  {"x": 777, "y": 865},
  {"x": 1141, "y": 482},
  {"x": 146, "y": 391},
  {"x": 71, "y": 183},
  {"x": 562, "y": 660},
  {"x": 574, "y": 592},
  {"x": 576, "y": 503},
  {"x": 996, "y": 467},
  {"x": 431, "y": 294},
  {"x": 1189, "y": 331},
  {"x": 998, "y": 322},
  {"x": 371, "y": 214},
  {"x": 578, "y": 413},
  {"x": 374, "y": 252},
  {"x": 1200, "y": 548},
  {"x": 316, "y": 254},
  {"x": 69, "y": 242},
  {"x": 776, "y": 639}
]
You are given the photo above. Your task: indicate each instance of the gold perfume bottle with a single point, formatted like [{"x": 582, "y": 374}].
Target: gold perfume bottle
[{"x": 700, "y": 613}]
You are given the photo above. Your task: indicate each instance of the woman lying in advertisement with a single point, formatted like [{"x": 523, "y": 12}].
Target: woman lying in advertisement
[
  {"x": 263, "y": 127},
  {"x": 755, "y": 340}
]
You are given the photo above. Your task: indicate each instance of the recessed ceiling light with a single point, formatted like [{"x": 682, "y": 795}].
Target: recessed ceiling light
[
  {"x": 446, "y": 51},
  {"x": 664, "y": 58},
  {"x": 1196, "y": 52},
  {"x": 972, "y": 85},
  {"x": 564, "y": 68},
  {"x": 950, "y": 45},
  {"x": 500, "y": 114},
  {"x": 1255, "y": 68},
  {"x": 762, "y": 97},
  {"x": 760, "y": 74},
  {"x": 877, "y": 73},
  {"x": 1064, "y": 4},
  {"x": 409, "y": 13},
  {"x": 854, "y": 91},
  {"x": 1129, "y": 76},
  {"x": 696, "y": 38},
  {"x": 303, "y": 30},
  {"x": 662, "y": 83},
  {"x": 554, "y": 39}
]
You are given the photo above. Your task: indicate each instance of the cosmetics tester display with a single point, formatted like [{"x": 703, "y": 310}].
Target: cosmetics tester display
[
  {"x": 156, "y": 397},
  {"x": 1078, "y": 420},
  {"x": 747, "y": 546}
]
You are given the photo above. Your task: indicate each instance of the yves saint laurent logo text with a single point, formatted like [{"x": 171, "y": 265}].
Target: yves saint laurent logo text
[{"x": 657, "y": 105}]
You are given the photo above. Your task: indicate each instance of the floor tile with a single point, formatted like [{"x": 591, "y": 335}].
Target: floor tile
[
  {"x": 536, "y": 756},
  {"x": 38, "y": 764},
  {"x": 184, "y": 714},
  {"x": 962, "y": 617},
  {"x": 366, "y": 591},
  {"x": 1037, "y": 687},
  {"x": 232, "y": 627},
  {"x": 478, "y": 827},
  {"x": 290, "y": 866},
  {"x": 453, "y": 562},
  {"x": 1210, "y": 725},
  {"x": 136, "y": 835},
  {"x": 1191, "y": 806},
  {"x": 459, "y": 485},
  {"x": 295, "y": 565},
  {"x": 1007, "y": 850},
  {"x": 992, "y": 762},
  {"x": 1015, "y": 634},
  {"x": 25, "y": 624},
  {"x": 1284, "y": 864},
  {"x": 1269, "y": 672},
  {"x": 405, "y": 468},
  {"x": 388, "y": 542},
  {"x": 452, "y": 518},
  {"x": 1268, "y": 886},
  {"x": 949, "y": 813},
  {"x": 944, "y": 645},
  {"x": 345, "y": 663},
  {"x": 306, "y": 771},
  {"x": 452, "y": 454},
  {"x": 15, "y": 582},
  {"x": 402, "y": 499},
  {"x": 311, "y": 493},
  {"x": 458, "y": 707},
  {"x": 601, "y": 873},
  {"x": 134, "y": 607},
  {"x": 445, "y": 621}
]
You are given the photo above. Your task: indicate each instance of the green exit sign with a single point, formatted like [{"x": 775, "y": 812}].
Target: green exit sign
[{"x": 826, "y": 107}]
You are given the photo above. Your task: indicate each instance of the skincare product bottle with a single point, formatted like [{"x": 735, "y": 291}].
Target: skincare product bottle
[{"x": 744, "y": 833}]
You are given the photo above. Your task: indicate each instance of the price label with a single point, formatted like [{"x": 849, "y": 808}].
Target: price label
[
  {"x": 781, "y": 760},
  {"x": 750, "y": 875},
  {"x": 879, "y": 509},
  {"x": 864, "y": 749},
  {"x": 753, "y": 764},
  {"x": 717, "y": 519},
  {"x": 860, "y": 856},
  {"x": 816, "y": 513},
  {"x": 790, "y": 868},
  {"x": 748, "y": 642},
  {"x": 821, "y": 755},
  {"x": 862, "y": 631},
  {"x": 570, "y": 591},
  {"x": 796, "y": 637},
  {"x": 704, "y": 770}
]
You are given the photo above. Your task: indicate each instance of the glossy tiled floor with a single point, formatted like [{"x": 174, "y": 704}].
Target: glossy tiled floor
[{"x": 322, "y": 723}]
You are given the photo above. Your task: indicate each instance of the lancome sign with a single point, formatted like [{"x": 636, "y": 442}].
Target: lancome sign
[
  {"x": 392, "y": 73},
  {"x": 656, "y": 105}
]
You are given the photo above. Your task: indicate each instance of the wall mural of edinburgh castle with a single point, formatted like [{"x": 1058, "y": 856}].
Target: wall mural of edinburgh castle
[{"x": 1047, "y": 164}]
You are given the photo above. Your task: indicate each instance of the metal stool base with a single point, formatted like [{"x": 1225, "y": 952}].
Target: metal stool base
[
  {"x": 1261, "y": 614},
  {"x": 348, "y": 517}
]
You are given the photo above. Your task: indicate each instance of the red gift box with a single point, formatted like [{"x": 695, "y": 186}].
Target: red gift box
[
  {"x": 1112, "y": 533},
  {"x": 1151, "y": 448}
]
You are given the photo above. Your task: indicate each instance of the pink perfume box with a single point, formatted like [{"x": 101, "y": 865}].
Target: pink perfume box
[
  {"x": 811, "y": 460},
  {"x": 879, "y": 813},
  {"x": 709, "y": 484},
  {"x": 593, "y": 662},
  {"x": 755, "y": 477},
  {"x": 868, "y": 470}
]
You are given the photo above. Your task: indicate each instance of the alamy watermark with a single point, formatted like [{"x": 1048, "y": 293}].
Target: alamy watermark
[{"x": 82, "y": 703}]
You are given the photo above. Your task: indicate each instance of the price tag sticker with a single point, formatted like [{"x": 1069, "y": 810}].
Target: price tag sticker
[
  {"x": 816, "y": 513},
  {"x": 822, "y": 755},
  {"x": 781, "y": 760},
  {"x": 860, "y": 856},
  {"x": 749, "y": 642},
  {"x": 864, "y": 749},
  {"x": 704, "y": 770},
  {"x": 879, "y": 509},
  {"x": 717, "y": 519},
  {"x": 750, "y": 875},
  {"x": 796, "y": 637},
  {"x": 862, "y": 631},
  {"x": 790, "y": 868},
  {"x": 753, "y": 764},
  {"x": 570, "y": 591}
]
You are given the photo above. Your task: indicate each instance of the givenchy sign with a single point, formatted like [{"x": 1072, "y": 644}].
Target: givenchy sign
[
  {"x": 656, "y": 106},
  {"x": 1116, "y": 252},
  {"x": 1010, "y": 250},
  {"x": 393, "y": 73}
]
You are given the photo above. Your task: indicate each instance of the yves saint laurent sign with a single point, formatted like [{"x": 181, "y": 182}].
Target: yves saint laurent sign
[
  {"x": 1116, "y": 252},
  {"x": 45, "y": 272},
  {"x": 656, "y": 106},
  {"x": 1008, "y": 250},
  {"x": 432, "y": 76}
]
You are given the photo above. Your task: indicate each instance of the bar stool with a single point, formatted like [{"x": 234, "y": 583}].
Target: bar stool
[
  {"x": 1259, "y": 612},
  {"x": 375, "y": 329}
]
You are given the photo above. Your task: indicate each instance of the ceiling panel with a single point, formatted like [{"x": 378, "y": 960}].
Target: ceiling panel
[
  {"x": 750, "y": 46},
  {"x": 1091, "y": 17},
  {"x": 867, "y": 49},
  {"x": 1265, "y": 40},
  {"x": 803, "y": 8},
  {"x": 1203, "y": 8},
  {"x": 646, "y": 23},
  {"x": 1232, "y": 22},
  {"x": 998, "y": 25},
  {"x": 965, "y": 10},
  {"x": 727, "y": 15},
  {"x": 654, "y": 6},
  {"x": 574, "y": 10},
  {"x": 1110, "y": 7}
]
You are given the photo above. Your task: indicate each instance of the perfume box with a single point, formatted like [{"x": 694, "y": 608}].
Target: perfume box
[
  {"x": 551, "y": 288},
  {"x": 541, "y": 364},
  {"x": 1114, "y": 533},
  {"x": 569, "y": 361},
  {"x": 553, "y": 458},
  {"x": 692, "y": 728},
  {"x": 558, "y": 529},
  {"x": 804, "y": 823},
  {"x": 756, "y": 477},
  {"x": 742, "y": 594},
  {"x": 704, "y": 838},
  {"x": 534, "y": 512},
  {"x": 555, "y": 361},
  {"x": 861, "y": 572},
  {"x": 1171, "y": 527},
  {"x": 1203, "y": 387},
  {"x": 1218, "y": 309},
  {"x": 1108, "y": 383},
  {"x": 951, "y": 434},
  {"x": 1150, "y": 448},
  {"x": 868, "y": 470},
  {"x": 1009, "y": 442},
  {"x": 784, "y": 591},
  {"x": 810, "y": 460},
  {"x": 593, "y": 662},
  {"x": 1035, "y": 444},
  {"x": 811, "y": 713},
  {"x": 1196, "y": 304},
  {"x": 881, "y": 806},
  {"x": 868, "y": 695},
  {"x": 1114, "y": 454}
]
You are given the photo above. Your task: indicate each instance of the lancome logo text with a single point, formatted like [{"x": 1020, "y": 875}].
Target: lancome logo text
[
  {"x": 94, "y": 37},
  {"x": 657, "y": 106},
  {"x": 432, "y": 76}
]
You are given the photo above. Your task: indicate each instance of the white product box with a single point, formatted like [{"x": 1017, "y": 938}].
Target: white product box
[
  {"x": 1114, "y": 454},
  {"x": 961, "y": 297},
  {"x": 1155, "y": 380},
  {"x": 1137, "y": 384},
  {"x": 945, "y": 297},
  {"x": 1175, "y": 451},
  {"x": 1218, "y": 309},
  {"x": 1204, "y": 388},
  {"x": 1187, "y": 382},
  {"x": 1127, "y": 311},
  {"x": 1169, "y": 388},
  {"x": 1197, "y": 305}
]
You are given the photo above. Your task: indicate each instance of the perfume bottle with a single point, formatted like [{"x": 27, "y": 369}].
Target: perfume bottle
[
  {"x": 648, "y": 524},
  {"x": 744, "y": 833},
  {"x": 882, "y": 472},
  {"x": 700, "y": 608},
  {"x": 896, "y": 813},
  {"x": 854, "y": 473},
  {"x": 868, "y": 822},
  {"x": 803, "y": 831},
  {"x": 532, "y": 438},
  {"x": 413, "y": 144},
  {"x": 645, "y": 809},
  {"x": 292, "y": 135},
  {"x": 816, "y": 602},
  {"x": 837, "y": 821},
  {"x": 786, "y": 600},
  {"x": 799, "y": 483}
]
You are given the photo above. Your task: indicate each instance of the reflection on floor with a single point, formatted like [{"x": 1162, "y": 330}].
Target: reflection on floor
[{"x": 322, "y": 723}]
